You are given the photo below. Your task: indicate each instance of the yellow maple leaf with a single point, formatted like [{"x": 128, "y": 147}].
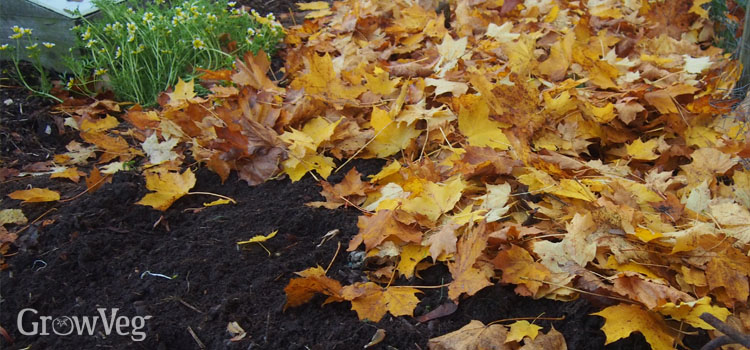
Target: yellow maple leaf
[
  {"x": 183, "y": 92},
  {"x": 312, "y": 6},
  {"x": 623, "y": 319},
  {"x": 643, "y": 150},
  {"x": 475, "y": 123},
  {"x": 560, "y": 58},
  {"x": 35, "y": 195},
  {"x": 689, "y": 312},
  {"x": 371, "y": 301},
  {"x": 380, "y": 82},
  {"x": 303, "y": 146},
  {"x": 698, "y": 9},
  {"x": 411, "y": 255},
  {"x": 168, "y": 186},
  {"x": 99, "y": 125},
  {"x": 259, "y": 238},
  {"x": 390, "y": 136},
  {"x": 436, "y": 199},
  {"x": 521, "y": 329}
]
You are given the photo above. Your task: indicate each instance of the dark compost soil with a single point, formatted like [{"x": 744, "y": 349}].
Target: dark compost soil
[{"x": 94, "y": 252}]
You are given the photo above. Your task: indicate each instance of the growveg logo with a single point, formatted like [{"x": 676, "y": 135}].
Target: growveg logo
[{"x": 29, "y": 323}]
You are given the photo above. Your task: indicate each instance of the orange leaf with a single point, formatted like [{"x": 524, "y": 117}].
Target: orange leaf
[
  {"x": 467, "y": 278},
  {"x": 371, "y": 301},
  {"x": 313, "y": 280},
  {"x": 374, "y": 229},
  {"x": 35, "y": 195},
  {"x": 518, "y": 266}
]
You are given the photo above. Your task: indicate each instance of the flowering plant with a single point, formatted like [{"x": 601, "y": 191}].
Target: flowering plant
[
  {"x": 26, "y": 47},
  {"x": 140, "y": 51}
]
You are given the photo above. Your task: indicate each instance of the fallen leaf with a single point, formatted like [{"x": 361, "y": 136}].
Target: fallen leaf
[
  {"x": 522, "y": 329},
  {"x": 552, "y": 340},
  {"x": 474, "y": 335},
  {"x": 623, "y": 319},
  {"x": 12, "y": 216},
  {"x": 374, "y": 229},
  {"x": 259, "y": 238},
  {"x": 371, "y": 302},
  {"x": 311, "y": 281},
  {"x": 35, "y": 195},
  {"x": 167, "y": 186}
]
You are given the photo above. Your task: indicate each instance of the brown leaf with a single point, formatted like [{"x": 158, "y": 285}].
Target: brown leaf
[
  {"x": 553, "y": 340},
  {"x": 519, "y": 267},
  {"x": 350, "y": 189},
  {"x": 474, "y": 335},
  {"x": 313, "y": 280},
  {"x": 374, "y": 229},
  {"x": 467, "y": 278}
]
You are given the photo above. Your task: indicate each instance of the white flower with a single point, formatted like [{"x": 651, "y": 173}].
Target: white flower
[
  {"x": 198, "y": 44},
  {"x": 48, "y": 44},
  {"x": 100, "y": 71}
]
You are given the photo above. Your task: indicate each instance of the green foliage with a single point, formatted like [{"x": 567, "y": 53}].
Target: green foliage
[
  {"x": 141, "y": 50},
  {"x": 725, "y": 27},
  {"x": 26, "y": 47}
]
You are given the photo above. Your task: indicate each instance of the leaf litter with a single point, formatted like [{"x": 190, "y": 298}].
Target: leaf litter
[{"x": 569, "y": 149}]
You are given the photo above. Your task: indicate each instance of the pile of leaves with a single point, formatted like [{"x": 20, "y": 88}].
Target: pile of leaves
[{"x": 571, "y": 149}]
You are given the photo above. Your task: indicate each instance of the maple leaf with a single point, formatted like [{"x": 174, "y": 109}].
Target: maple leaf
[
  {"x": 474, "y": 122},
  {"x": 623, "y": 319},
  {"x": 12, "y": 216},
  {"x": 443, "y": 241},
  {"x": 474, "y": 335},
  {"x": 374, "y": 229},
  {"x": 560, "y": 58},
  {"x": 575, "y": 247},
  {"x": 519, "y": 267},
  {"x": 35, "y": 195},
  {"x": 390, "y": 136},
  {"x": 350, "y": 190},
  {"x": 72, "y": 174},
  {"x": 252, "y": 72},
  {"x": 495, "y": 200},
  {"x": 466, "y": 277},
  {"x": 522, "y": 329},
  {"x": 651, "y": 293},
  {"x": 98, "y": 125},
  {"x": 159, "y": 152},
  {"x": 313, "y": 280},
  {"x": 183, "y": 93},
  {"x": 436, "y": 199},
  {"x": 371, "y": 301},
  {"x": 410, "y": 256},
  {"x": 690, "y": 312},
  {"x": 168, "y": 186},
  {"x": 549, "y": 341}
]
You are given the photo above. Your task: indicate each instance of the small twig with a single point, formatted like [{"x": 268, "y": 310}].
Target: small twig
[
  {"x": 334, "y": 257},
  {"x": 35, "y": 220},
  {"x": 732, "y": 336},
  {"x": 183, "y": 302},
  {"x": 195, "y": 337}
]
